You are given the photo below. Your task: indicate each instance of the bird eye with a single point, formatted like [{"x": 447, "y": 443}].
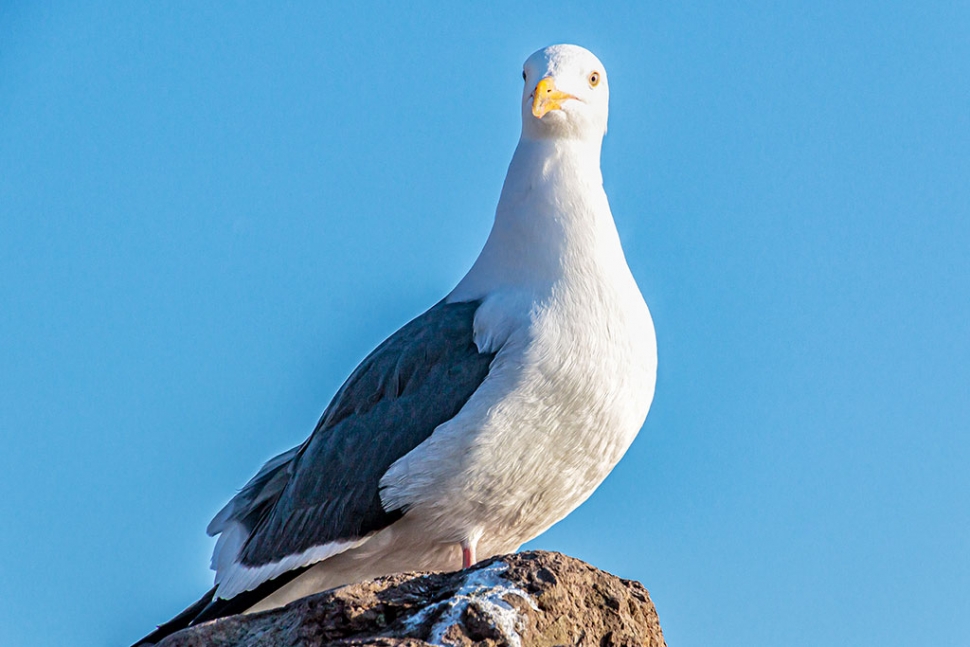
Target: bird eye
[
  {"x": 594, "y": 79},
  {"x": 523, "y": 75}
]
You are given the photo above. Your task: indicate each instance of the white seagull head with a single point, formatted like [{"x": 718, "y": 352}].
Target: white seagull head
[{"x": 566, "y": 94}]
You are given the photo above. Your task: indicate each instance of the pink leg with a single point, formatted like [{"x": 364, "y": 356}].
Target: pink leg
[{"x": 467, "y": 553}]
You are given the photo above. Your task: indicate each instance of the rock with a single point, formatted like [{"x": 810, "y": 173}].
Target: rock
[{"x": 534, "y": 599}]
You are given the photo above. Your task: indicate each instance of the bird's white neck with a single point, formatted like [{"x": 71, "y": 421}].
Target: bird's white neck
[
  {"x": 554, "y": 163},
  {"x": 553, "y": 218}
]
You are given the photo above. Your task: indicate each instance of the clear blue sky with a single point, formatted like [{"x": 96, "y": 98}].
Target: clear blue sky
[{"x": 209, "y": 216}]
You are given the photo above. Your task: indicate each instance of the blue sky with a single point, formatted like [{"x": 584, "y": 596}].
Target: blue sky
[{"x": 208, "y": 216}]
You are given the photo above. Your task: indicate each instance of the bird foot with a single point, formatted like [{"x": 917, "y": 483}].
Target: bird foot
[{"x": 467, "y": 554}]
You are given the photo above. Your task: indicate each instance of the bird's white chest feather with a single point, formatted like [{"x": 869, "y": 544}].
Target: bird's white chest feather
[
  {"x": 569, "y": 388},
  {"x": 574, "y": 371}
]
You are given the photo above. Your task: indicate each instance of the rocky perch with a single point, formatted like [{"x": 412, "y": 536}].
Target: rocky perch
[{"x": 528, "y": 599}]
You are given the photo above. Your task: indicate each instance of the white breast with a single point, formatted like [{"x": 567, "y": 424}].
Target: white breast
[{"x": 570, "y": 385}]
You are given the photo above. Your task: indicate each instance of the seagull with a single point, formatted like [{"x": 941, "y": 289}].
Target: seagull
[{"x": 485, "y": 420}]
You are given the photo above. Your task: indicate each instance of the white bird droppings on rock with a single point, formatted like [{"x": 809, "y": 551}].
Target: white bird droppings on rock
[{"x": 485, "y": 591}]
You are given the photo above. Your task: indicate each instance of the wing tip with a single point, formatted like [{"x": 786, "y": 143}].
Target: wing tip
[{"x": 179, "y": 622}]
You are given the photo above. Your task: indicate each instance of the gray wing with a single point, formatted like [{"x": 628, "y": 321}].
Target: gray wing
[{"x": 327, "y": 489}]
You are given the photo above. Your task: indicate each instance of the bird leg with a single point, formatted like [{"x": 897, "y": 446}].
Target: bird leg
[{"x": 467, "y": 553}]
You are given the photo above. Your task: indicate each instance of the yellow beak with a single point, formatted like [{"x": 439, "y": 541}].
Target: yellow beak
[{"x": 546, "y": 98}]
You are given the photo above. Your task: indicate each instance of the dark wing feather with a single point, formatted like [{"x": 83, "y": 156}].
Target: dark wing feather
[
  {"x": 329, "y": 489},
  {"x": 179, "y": 622}
]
